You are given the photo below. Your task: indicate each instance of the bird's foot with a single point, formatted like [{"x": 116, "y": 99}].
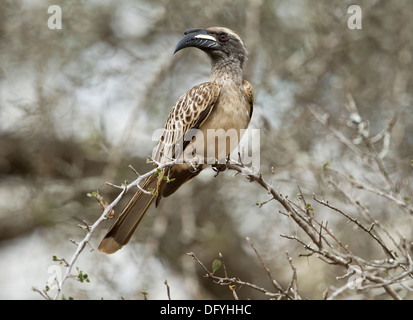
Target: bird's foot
[{"x": 218, "y": 168}]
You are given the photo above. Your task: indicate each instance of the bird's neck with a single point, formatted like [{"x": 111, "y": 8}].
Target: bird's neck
[{"x": 227, "y": 72}]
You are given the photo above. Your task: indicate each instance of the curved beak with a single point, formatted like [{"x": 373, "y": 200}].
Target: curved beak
[{"x": 198, "y": 38}]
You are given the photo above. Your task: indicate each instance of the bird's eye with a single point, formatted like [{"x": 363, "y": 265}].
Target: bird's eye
[{"x": 223, "y": 37}]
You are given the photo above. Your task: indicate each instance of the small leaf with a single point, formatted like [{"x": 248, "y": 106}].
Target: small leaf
[
  {"x": 82, "y": 277},
  {"x": 325, "y": 165},
  {"x": 93, "y": 194},
  {"x": 158, "y": 171},
  {"x": 216, "y": 264}
]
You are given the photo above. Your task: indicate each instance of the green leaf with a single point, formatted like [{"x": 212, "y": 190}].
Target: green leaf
[
  {"x": 158, "y": 171},
  {"x": 94, "y": 194},
  {"x": 325, "y": 165},
  {"x": 216, "y": 264},
  {"x": 83, "y": 277}
]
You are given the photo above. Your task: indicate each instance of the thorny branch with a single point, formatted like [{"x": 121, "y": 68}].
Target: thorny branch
[
  {"x": 331, "y": 250},
  {"x": 108, "y": 211},
  {"x": 372, "y": 158},
  {"x": 323, "y": 243},
  {"x": 392, "y": 274},
  {"x": 231, "y": 282}
]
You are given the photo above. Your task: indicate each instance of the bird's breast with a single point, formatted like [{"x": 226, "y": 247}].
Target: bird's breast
[{"x": 221, "y": 132}]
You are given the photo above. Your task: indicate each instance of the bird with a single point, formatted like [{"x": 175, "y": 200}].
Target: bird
[{"x": 204, "y": 115}]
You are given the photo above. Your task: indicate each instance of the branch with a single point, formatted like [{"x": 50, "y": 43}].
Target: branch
[
  {"x": 380, "y": 193},
  {"x": 273, "y": 281},
  {"x": 109, "y": 208},
  {"x": 227, "y": 281},
  {"x": 372, "y": 271},
  {"x": 362, "y": 127}
]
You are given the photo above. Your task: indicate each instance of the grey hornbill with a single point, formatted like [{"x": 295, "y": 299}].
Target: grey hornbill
[{"x": 224, "y": 104}]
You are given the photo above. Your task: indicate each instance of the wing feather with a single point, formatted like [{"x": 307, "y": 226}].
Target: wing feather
[
  {"x": 249, "y": 93},
  {"x": 189, "y": 112}
]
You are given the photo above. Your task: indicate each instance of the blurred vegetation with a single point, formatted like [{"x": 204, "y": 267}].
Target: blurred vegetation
[{"x": 78, "y": 105}]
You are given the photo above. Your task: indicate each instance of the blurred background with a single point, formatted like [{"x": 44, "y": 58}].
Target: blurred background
[{"x": 78, "y": 105}]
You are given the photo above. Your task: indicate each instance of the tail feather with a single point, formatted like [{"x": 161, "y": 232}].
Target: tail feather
[{"x": 123, "y": 228}]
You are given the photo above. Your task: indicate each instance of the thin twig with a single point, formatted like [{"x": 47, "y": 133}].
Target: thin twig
[
  {"x": 226, "y": 281},
  {"x": 168, "y": 290},
  {"x": 102, "y": 217},
  {"x": 356, "y": 222},
  {"x": 267, "y": 270}
]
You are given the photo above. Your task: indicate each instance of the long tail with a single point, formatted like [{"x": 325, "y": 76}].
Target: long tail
[{"x": 123, "y": 228}]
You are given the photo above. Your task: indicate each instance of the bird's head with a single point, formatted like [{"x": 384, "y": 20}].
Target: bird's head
[{"x": 221, "y": 44}]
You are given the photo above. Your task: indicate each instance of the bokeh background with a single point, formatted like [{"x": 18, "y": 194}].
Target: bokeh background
[{"x": 78, "y": 105}]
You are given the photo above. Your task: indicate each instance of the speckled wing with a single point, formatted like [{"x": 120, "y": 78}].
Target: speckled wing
[
  {"x": 249, "y": 93},
  {"x": 190, "y": 111}
]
